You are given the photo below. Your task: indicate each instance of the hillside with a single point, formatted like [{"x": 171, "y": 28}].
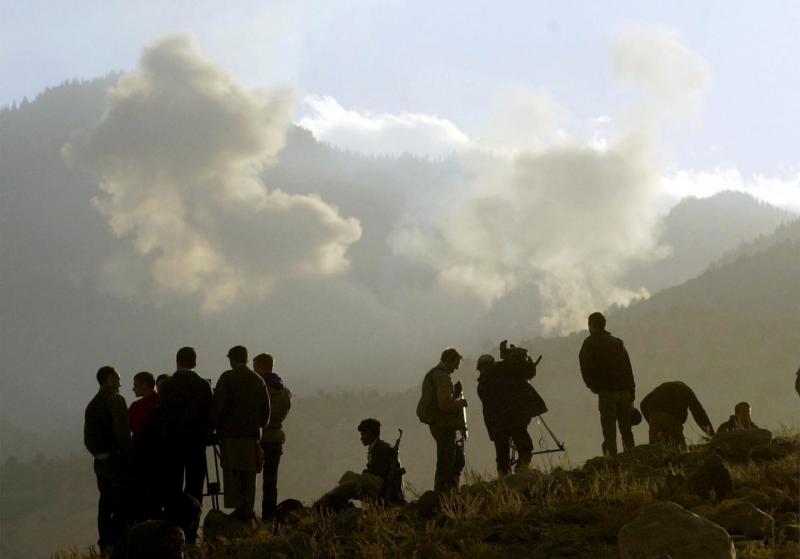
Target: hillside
[{"x": 745, "y": 510}]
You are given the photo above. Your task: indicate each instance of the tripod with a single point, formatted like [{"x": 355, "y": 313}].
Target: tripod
[{"x": 214, "y": 488}]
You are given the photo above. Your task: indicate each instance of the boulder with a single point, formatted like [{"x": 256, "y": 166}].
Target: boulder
[
  {"x": 665, "y": 529},
  {"x": 754, "y": 497},
  {"x": 218, "y": 525},
  {"x": 709, "y": 476},
  {"x": 735, "y": 446},
  {"x": 776, "y": 449},
  {"x": 741, "y": 517}
]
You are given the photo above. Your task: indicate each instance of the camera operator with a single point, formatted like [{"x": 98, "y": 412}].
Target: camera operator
[{"x": 509, "y": 404}]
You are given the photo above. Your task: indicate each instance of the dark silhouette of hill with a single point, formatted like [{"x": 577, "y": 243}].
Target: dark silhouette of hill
[{"x": 701, "y": 230}]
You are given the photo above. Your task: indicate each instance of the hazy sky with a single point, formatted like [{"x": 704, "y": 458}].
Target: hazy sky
[{"x": 451, "y": 60}]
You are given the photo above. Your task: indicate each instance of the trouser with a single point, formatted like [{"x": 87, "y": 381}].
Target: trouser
[
  {"x": 186, "y": 467},
  {"x": 449, "y": 459},
  {"x": 351, "y": 486},
  {"x": 272, "y": 458},
  {"x": 113, "y": 507},
  {"x": 615, "y": 410},
  {"x": 240, "y": 491},
  {"x": 522, "y": 442},
  {"x": 665, "y": 428}
]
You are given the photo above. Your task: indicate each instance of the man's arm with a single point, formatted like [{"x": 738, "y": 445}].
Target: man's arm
[
  {"x": 265, "y": 404},
  {"x": 221, "y": 400},
  {"x": 628, "y": 370},
  {"x": 699, "y": 414},
  {"x": 122, "y": 426},
  {"x": 444, "y": 394},
  {"x": 588, "y": 369}
]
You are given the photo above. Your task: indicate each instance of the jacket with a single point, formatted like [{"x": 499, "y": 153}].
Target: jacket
[
  {"x": 605, "y": 364},
  {"x": 280, "y": 402},
  {"x": 241, "y": 404},
  {"x": 438, "y": 393},
  {"x": 106, "y": 428},
  {"x": 508, "y": 399},
  {"x": 185, "y": 409},
  {"x": 380, "y": 459},
  {"x": 675, "y": 398},
  {"x": 734, "y": 424}
]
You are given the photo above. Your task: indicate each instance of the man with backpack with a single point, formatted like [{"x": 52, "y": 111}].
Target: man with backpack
[
  {"x": 376, "y": 481},
  {"x": 443, "y": 410}
]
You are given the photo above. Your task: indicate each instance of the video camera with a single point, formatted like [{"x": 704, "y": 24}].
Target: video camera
[{"x": 512, "y": 352}]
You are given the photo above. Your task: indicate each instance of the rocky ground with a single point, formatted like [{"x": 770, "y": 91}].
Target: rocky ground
[{"x": 737, "y": 496}]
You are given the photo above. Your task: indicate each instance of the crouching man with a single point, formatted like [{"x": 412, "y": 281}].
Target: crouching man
[{"x": 370, "y": 483}]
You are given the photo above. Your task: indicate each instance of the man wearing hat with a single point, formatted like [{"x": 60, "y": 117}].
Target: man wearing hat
[
  {"x": 443, "y": 412},
  {"x": 240, "y": 411}
]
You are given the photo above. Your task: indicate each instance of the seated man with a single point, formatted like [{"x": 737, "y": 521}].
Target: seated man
[
  {"x": 739, "y": 420},
  {"x": 369, "y": 484},
  {"x": 666, "y": 410}
]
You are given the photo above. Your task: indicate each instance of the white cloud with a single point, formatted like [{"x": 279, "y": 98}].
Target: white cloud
[
  {"x": 381, "y": 133},
  {"x": 179, "y": 153}
]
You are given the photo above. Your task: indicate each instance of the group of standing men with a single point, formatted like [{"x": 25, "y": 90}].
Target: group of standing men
[{"x": 155, "y": 452}]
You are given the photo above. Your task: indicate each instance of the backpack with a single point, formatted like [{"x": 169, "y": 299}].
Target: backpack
[{"x": 427, "y": 407}]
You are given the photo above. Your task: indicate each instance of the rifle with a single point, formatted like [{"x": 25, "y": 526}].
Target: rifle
[
  {"x": 392, "y": 491},
  {"x": 458, "y": 393}
]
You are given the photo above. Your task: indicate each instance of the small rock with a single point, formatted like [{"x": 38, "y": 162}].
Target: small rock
[
  {"x": 735, "y": 446},
  {"x": 217, "y": 525},
  {"x": 745, "y": 518},
  {"x": 427, "y": 503},
  {"x": 709, "y": 477},
  {"x": 665, "y": 529},
  {"x": 790, "y": 532},
  {"x": 523, "y": 481},
  {"x": 754, "y": 497}
]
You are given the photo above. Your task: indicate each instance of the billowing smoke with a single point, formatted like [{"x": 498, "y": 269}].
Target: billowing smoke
[
  {"x": 569, "y": 216},
  {"x": 179, "y": 153}
]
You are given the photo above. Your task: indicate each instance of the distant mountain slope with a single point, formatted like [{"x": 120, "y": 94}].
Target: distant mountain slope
[{"x": 701, "y": 230}]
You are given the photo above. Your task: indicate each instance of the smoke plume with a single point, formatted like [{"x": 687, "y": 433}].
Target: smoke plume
[
  {"x": 569, "y": 216},
  {"x": 179, "y": 153}
]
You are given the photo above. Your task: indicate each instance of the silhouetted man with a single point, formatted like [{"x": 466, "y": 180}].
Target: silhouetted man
[
  {"x": 186, "y": 415},
  {"x": 106, "y": 435},
  {"x": 241, "y": 411},
  {"x": 666, "y": 409},
  {"x": 739, "y": 420},
  {"x": 607, "y": 372},
  {"x": 273, "y": 437},
  {"x": 443, "y": 412},
  {"x": 509, "y": 404},
  {"x": 369, "y": 484}
]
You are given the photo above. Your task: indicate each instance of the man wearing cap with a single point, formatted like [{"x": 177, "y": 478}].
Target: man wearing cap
[
  {"x": 185, "y": 413},
  {"x": 443, "y": 412},
  {"x": 607, "y": 372},
  {"x": 240, "y": 412}
]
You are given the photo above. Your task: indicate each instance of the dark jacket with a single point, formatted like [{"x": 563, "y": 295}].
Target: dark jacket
[
  {"x": 605, "y": 364},
  {"x": 508, "y": 399},
  {"x": 675, "y": 398},
  {"x": 733, "y": 424},
  {"x": 241, "y": 404},
  {"x": 106, "y": 428},
  {"x": 380, "y": 459},
  {"x": 185, "y": 409}
]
